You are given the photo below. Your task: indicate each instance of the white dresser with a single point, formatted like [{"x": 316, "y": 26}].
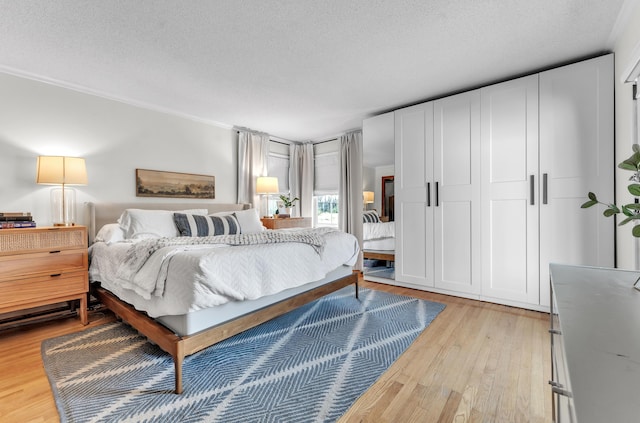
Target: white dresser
[{"x": 595, "y": 344}]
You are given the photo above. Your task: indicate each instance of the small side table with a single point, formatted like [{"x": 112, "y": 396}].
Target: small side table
[{"x": 286, "y": 222}]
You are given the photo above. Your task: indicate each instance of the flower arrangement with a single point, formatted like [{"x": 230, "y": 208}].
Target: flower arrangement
[{"x": 632, "y": 210}]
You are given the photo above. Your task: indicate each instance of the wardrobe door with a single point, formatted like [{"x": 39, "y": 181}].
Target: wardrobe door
[
  {"x": 576, "y": 156},
  {"x": 509, "y": 139},
  {"x": 457, "y": 192},
  {"x": 413, "y": 183}
]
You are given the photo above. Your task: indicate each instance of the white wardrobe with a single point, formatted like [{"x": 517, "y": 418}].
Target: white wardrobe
[{"x": 489, "y": 184}]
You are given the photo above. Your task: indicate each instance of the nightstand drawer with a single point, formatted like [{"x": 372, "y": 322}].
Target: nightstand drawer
[
  {"x": 52, "y": 263},
  {"x": 32, "y": 240},
  {"x": 14, "y": 294}
]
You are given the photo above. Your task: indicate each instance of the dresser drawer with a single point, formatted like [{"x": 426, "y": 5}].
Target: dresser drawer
[
  {"x": 50, "y": 263},
  {"x": 15, "y": 294},
  {"x": 31, "y": 240}
]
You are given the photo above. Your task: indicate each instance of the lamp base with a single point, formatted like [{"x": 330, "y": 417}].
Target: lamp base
[{"x": 63, "y": 206}]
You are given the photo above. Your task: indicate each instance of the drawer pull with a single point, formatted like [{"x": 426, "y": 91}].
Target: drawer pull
[
  {"x": 54, "y": 252},
  {"x": 561, "y": 391},
  {"x": 555, "y": 332},
  {"x": 55, "y": 275}
]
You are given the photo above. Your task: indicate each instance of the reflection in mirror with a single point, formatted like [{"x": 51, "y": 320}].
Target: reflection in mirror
[
  {"x": 387, "y": 209},
  {"x": 378, "y": 155},
  {"x": 378, "y": 166}
]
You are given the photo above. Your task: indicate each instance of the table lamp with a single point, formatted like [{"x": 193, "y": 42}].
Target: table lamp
[
  {"x": 61, "y": 170},
  {"x": 368, "y": 198},
  {"x": 267, "y": 185}
]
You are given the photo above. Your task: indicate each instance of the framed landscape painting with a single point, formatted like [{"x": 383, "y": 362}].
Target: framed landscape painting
[{"x": 156, "y": 183}]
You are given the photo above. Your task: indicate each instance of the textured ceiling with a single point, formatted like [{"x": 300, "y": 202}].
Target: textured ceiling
[{"x": 296, "y": 69}]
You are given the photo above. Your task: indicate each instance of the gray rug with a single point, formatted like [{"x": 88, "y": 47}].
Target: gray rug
[
  {"x": 310, "y": 364},
  {"x": 381, "y": 272}
]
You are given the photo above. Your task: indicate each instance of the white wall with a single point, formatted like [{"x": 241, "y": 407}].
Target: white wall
[
  {"x": 625, "y": 44},
  {"x": 369, "y": 180},
  {"x": 114, "y": 138}
]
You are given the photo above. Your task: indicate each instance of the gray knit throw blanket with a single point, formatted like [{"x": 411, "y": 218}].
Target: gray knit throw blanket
[{"x": 140, "y": 252}]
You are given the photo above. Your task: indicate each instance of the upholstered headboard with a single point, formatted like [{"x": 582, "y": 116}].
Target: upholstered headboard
[{"x": 99, "y": 214}]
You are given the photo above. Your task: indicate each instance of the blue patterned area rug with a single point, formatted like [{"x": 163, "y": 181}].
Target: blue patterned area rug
[{"x": 310, "y": 364}]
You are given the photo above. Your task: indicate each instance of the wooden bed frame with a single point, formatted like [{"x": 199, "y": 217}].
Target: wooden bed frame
[
  {"x": 179, "y": 346},
  {"x": 379, "y": 255}
]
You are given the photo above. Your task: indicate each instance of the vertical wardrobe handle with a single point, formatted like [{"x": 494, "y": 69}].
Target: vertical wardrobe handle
[
  {"x": 437, "y": 195},
  {"x": 544, "y": 188},
  {"x": 532, "y": 191},
  {"x": 428, "y": 194}
]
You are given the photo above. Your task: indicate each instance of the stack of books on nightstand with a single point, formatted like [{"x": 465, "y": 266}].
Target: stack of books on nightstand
[{"x": 10, "y": 220}]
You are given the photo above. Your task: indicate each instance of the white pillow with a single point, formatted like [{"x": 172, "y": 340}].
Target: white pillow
[
  {"x": 222, "y": 213},
  {"x": 249, "y": 221},
  {"x": 141, "y": 224},
  {"x": 110, "y": 233}
]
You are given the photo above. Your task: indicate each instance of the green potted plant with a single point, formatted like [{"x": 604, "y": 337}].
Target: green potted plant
[
  {"x": 631, "y": 211},
  {"x": 287, "y": 204}
]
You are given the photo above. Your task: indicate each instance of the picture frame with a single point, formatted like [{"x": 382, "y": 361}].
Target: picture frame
[{"x": 158, "y": 183}]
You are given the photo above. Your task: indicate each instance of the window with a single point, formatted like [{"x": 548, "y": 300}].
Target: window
[
  {"x": 633, "y": 76},
  {"x": 325, "y": 210},
  {"x": 278, "y": 166},
  {"x": 326, "y": 183},
  {"x": 636, "y": 117}
]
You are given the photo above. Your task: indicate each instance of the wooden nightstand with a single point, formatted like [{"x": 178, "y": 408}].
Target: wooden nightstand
[
  {"x": 41, "y": 266},
  {"x": 287, "y": 222}
]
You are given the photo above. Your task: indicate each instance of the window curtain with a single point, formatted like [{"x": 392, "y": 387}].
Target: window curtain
[
  {"x": 301, "y": 177},
  {"x": 253, "y": 157},
  {"x": 350, "y": 190}
]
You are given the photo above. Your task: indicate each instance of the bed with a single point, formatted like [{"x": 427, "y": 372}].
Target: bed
[
  {"x": 186, "y": 292},
  {"x": 378, "y": 238}
]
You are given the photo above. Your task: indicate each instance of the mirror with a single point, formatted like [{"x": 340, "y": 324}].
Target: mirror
[
  {"x": 378, "y": 176},
  {"x": 378, "y": 159},
  {"x": 387, "y": 199}
]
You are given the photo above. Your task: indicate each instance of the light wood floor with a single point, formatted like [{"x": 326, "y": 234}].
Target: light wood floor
[{"x": 476, "y": 362}]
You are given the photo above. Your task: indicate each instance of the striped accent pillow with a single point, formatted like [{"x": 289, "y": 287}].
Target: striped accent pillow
[
  {"x": 370, "y": 216},
  {"x": 203, "y": 225}
]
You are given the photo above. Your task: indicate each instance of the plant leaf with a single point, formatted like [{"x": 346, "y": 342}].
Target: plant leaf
[
  {"x": 627, "y": 212},
  {"x": 636, "y": 231},
  {"x": 608, "y": 213},
  {"x": 589, "y": 204},
  {"x": 628, "y": 165},
  {"x": 627, "y": 220},
  {"x": 634, "y": 189},
  {"x": 592, "y": 196}
]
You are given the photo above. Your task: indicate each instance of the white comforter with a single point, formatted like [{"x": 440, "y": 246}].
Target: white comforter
[
  {"x": 378, "y": 230},
  {"x": 198, "y": 277}
]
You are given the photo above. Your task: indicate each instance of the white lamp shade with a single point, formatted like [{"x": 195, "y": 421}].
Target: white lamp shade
[
  {"x": 55, "y": 170},
  {"x": 267, "y": 185},
  {"x": 368, "y": 197}
]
